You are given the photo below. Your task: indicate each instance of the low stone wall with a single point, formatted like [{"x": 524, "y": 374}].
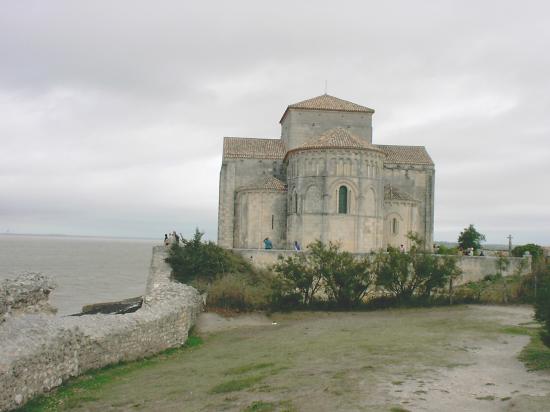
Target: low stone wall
[
  {"x": 473, "y": 267},
  {"x": 28, "y": 293},
  {"x": 39, "y": 351}
]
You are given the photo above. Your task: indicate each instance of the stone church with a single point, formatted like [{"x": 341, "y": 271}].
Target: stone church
[{"x": 324, "y": 179}]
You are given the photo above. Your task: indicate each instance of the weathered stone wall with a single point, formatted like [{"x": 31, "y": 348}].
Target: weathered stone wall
[
  {"x": 418, "y": 181},
  {"x": 299, "y": 125},
  {"x": 473, "y": 267},
  {"x": 28, "y": 293},
  {"x": 235, "y": 174},
  {"x": 38, "y": 352},
  {"x": 314, "y": 178}
]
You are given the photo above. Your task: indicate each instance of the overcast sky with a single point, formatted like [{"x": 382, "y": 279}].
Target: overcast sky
[{"x": 112, "y": 113}]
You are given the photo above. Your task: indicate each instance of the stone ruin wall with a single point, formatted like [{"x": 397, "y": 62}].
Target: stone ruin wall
[
  {"x": 39, "y": 351},
  {"x": 474, "y": 268}
]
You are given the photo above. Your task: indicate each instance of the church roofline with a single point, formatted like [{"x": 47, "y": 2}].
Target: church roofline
[
  {"x": 253, "y": 148},
  {"x": 265, "y": 184},
  {"x": 408, "y": 155},
  {"x": 326, "y": 102},
  {"x": 337, "y": 138}
]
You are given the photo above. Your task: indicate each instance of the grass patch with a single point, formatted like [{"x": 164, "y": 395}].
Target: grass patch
[
  {"x": 398, "y": 409},
  {"x": 260, "y": 406},
  {"x": 516, "y": 330},
  {"x": 81, "y": 389},
  {"x": 247, "y": 368},
  {"x": 536, "y": 355},
  {"x": 237, "y": 384}
]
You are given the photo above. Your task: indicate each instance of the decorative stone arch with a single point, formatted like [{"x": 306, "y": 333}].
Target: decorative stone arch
[
  {"x": 352, "y": 193},
  {"x": 395, "y": 222}
]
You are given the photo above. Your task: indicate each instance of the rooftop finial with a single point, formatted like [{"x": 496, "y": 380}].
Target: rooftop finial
[{"x": 326, "y": 86}]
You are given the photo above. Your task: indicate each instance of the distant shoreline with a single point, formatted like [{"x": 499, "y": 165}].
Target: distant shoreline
[{"x": 77, "y": 236}]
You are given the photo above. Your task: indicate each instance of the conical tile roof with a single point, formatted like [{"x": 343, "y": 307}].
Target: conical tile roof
[{"x": 337, "y": 138}]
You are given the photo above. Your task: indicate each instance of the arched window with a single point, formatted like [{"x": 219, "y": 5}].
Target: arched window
[
  {"x": 343, "y": 200},
  {"x": 394, "y": 226}
]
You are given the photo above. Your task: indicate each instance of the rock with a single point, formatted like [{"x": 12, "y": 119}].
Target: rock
[{"x": 120, "y": 307}]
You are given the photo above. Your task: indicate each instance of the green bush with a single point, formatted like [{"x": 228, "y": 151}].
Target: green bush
[
  {"x": 239, "y": 292},
  {"x": 204, "y": 260},
  {"x": 542, "y": 303},
  {"x": 417, "y": 273},
  {"x": 325, "y": 271},
  {"x": 534, "y": 250},
  {"x": 346, "y": 279}
]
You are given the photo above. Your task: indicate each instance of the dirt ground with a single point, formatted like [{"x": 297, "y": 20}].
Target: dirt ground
[{"x": 442, "y": 359}]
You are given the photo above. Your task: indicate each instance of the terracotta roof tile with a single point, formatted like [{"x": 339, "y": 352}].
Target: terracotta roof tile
[
  {"x": 392, "y": 193},
  {"x": 406, "y": 154},
  {"x": 338, "y": 138},
  {"x": 269, "y": 183},
  {"x": 327, "y": 102},
  {"x": 251, "y": 148}
]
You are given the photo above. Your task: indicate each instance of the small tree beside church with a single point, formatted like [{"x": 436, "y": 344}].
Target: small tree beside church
[{"x": 470, "y": 238}]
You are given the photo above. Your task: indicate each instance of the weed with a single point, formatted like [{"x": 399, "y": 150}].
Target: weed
[
  {"x": 536, "y": 355},
  {"x": 237, "y": 384},
  {"x": 260, "y": 406},
  {"x": 247, "y": 368}
]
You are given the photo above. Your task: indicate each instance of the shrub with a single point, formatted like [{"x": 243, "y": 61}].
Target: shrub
[
  {"x": 204, "y": 260},
  {"x": 542, "y": 303},
  {"x": 415, "y": 273},
  {"x": 297, "y": 281},
  {"x": 323, "y": 270},
  {"x": 345, "y": 278},
  {"x": 239, "y": 292},
  {"x": 535, "y": 250}
]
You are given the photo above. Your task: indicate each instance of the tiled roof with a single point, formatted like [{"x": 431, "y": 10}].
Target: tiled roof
[
  {"x": 251, "y": 148},
  {"x": 338, "y": 138},
  {"x": 392, "y": 193},
  {"x": 327, "y": 102},
  {"x": 266, "y": 183},
  {"x": 406, "y": 154}
]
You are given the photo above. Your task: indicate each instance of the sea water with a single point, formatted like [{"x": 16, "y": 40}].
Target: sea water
[{"x": 86, "y": 270}]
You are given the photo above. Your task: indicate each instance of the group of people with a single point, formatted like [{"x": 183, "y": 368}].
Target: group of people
[
  {"x": 172, "y": 238},
  {"x": 268, "y": 244}
]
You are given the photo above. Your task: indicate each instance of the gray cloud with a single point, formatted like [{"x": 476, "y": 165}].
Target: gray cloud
[{"x": 113, "y": 112}]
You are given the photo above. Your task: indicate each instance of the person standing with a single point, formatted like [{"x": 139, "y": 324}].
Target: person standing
[
  {"x": 296, "y": 246},
  {"x": 268, "y": 244}
]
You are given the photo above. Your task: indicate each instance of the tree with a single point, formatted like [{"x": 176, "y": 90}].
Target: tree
[
  {"x": 534, "y": 250},
  {"x": 470, "y": 238}
]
